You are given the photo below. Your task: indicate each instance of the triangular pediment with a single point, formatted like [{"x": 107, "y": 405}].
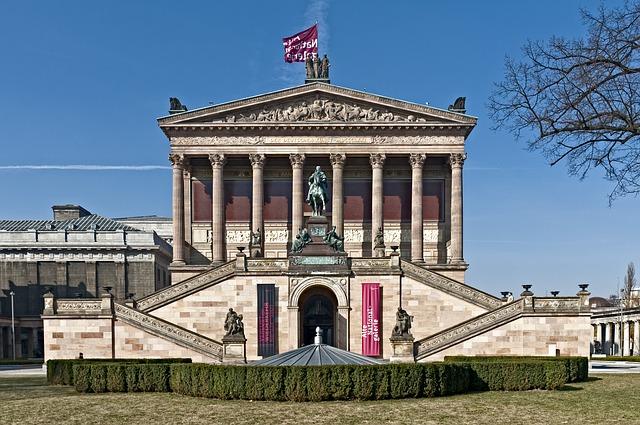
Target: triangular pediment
[{"x": 318, "y": 103}]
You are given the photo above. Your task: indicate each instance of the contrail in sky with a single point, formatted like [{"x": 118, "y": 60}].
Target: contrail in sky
[
  {"x": 79, "y": 167},
  {"x": 317, "y": 10}
]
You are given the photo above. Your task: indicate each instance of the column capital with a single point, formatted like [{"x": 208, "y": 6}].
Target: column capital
[
  {"x": 257, "y": 160},
  {"x": 297, "y": 160},
  {"x": 177, "y": 160},
  {"x": 377, "y": 160},
  {"x": 417, "y": 160},
  {"x": 337, "y": 159},
  {"x": 457, "y": 159},
  {"x": 217, "y": 160}
]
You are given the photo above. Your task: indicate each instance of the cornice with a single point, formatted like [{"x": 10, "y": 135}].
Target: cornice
[{"x": 311, "y": 88}]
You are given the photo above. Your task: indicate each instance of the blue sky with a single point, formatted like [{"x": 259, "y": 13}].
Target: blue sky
[{"x": 82, "y": 83}]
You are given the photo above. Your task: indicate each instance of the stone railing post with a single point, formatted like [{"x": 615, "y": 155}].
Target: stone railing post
[
  {"x": 106, "y": 304},
  {"x": 49, "y": 304},
  {"x": 527, "y": 296}
]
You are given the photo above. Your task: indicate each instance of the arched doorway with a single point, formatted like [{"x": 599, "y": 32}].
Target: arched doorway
[{"x": 318, "y": 307}]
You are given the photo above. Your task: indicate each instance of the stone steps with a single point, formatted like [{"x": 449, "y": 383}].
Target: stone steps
[
  {"x": 468, "y": 329},
  {"x": 169, "y": 331},
  {"x": 186, "y": 287}
]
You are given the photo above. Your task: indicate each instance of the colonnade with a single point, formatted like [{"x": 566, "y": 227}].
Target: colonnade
[
  {"x": 297, "y": 160},
  {"x": 616, "y": 337}
]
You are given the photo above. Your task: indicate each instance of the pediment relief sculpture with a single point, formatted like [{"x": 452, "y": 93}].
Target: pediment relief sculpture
[{"x": 321, "y": 110}]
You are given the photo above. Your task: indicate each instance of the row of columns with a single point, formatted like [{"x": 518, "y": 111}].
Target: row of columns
[
  {"x": 297, "y": 160},
  {"x": 613, "y": 343},
  {"x": 32, "y": 342}
]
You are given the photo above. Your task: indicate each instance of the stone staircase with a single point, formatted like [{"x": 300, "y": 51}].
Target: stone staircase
[
  {"x": 449, "y": 286},
  {"x": 468, "y": 329},
  {"x": 186, "y": 287},
  {"x": 169, "y": 331}
]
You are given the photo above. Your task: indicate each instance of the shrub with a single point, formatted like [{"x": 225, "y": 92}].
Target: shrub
[
  {"x": 317, "y": 383},
  {"x": 60, "y": 371},
  {"x": 577, "y": 367}
]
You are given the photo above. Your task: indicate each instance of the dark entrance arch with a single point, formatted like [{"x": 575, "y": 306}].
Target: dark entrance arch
[{"x": 319, "y": 307}]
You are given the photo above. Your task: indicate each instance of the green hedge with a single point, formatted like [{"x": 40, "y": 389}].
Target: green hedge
[
  {"x": 60, "y": 372},
  {"x": 577, "y": 367},
  {"x": 318, "y": 383}
]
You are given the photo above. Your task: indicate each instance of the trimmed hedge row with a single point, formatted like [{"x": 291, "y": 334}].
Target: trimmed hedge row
[
  {"x": 60, "y": 372},
  {"x": 318, "y": 383},
  {"x": 577, "y": 367}
]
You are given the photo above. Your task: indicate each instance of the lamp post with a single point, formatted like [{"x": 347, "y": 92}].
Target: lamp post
[
  {"x": 620, "y": 351},
  {"x": 13, "y": 326}
]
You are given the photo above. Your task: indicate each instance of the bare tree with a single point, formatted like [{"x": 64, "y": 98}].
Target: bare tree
[
  {"x": 578, "y": 100},
  {"x": 630, "y": 298}
]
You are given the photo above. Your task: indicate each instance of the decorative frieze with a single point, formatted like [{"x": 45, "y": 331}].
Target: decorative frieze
[
  {"x": 238, "y": 237},
  {"x": 441, "y": 140},
  {"x": 276, "y": 235},
  {"x": 81, "y": 306},
  {"x": 329, "y": 110}
]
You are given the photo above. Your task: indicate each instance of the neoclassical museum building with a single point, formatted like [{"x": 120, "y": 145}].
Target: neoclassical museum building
[{"x": 245, "y": 237}]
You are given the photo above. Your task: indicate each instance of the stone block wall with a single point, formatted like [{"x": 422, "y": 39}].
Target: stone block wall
[
  {"x": 131, "y": 342},
  {"x": 432, "y": 310},
  {"x": 65, "y": 338},
  {"x": 528, "y": 336}
]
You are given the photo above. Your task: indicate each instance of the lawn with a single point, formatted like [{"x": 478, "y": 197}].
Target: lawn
[{"x": 604, "y": 399}]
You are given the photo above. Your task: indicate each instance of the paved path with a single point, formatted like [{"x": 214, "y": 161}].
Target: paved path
[
  {"x": 613, "y": 367},
  {"x": 21, "y": 370}
]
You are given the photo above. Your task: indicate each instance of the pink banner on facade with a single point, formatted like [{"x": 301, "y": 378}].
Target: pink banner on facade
[
  {"x": 298, "y": 46},
  {"x": 371, "y": 319}
]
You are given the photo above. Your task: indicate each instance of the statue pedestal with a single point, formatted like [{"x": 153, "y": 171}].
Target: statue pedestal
[
  {"x": 402, "y": 349},
  {"x": 234, "y": 349},
  {"x": 378, "y": 251},
  {"x": 317, "y": 255}
]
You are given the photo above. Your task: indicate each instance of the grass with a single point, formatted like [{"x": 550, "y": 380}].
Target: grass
[
  {"x": 617, "y": 359},
  {"x": 603, "y": 400}
]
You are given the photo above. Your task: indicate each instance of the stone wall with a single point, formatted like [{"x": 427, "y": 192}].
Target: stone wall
[
  {"x": 432, "y": 310},
  {"x": 528, "y": 336},
  {"x": 204, "y": 312},
  {"x": 131, "y": 342},
  {"x": 65, "y": 338}
]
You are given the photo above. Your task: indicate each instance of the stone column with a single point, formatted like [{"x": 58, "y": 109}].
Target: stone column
[
  {"x": 257, "y": 194},
  {"x": 297, "y": 193},
  {"x": 599, "y": 334},
  {"x": 217, "y": 208},
  {"x": 177, "y": 162},
  {"x": 2, "y": 343},
  {"x": 417, "y": 162},
  {"x": 186, "y": 181},
  {"x": 609, "y": 328},
  {"x": 456, "y": 160},
  {"x": 377, "y": 195},
  {"x": 636, "y": 338},
  {"x": 337, "y": 201},
  {"x": 617, "y": 341},
  {"x": 626, "y": 340}
]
